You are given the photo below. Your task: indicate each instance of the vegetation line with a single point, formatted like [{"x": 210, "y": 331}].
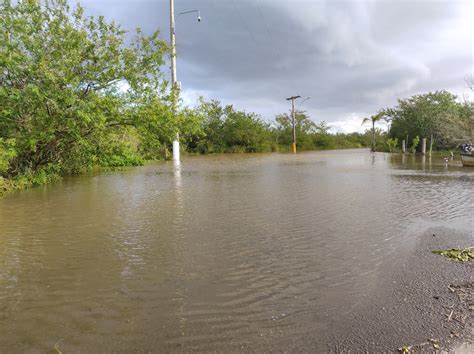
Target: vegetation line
[{"x": 107, "y": 103}]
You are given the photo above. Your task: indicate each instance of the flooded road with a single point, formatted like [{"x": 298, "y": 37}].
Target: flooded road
[{"x": 223, "y": 253}]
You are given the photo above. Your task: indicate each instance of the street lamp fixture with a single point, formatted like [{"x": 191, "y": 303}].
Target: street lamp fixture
[{"x": 189, "y": 12}]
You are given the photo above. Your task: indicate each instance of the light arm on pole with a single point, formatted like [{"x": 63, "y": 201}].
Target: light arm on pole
[{"x": 189, "y": 12}]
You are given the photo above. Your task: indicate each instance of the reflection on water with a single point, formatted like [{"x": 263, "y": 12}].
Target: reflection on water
[{"x": 219, "y": 253}]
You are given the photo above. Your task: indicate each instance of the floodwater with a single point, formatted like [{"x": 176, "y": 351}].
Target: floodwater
[{"x": 223, "y": 253}]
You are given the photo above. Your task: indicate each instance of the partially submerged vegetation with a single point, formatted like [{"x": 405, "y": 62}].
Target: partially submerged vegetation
[
  {"x": 225, "y": 129},
  {"x": 64, "y": 113},
  {"x": 457, "y": 254},
  {"x": 107, "y": 103},
  {"x": 436, "y": 116}
]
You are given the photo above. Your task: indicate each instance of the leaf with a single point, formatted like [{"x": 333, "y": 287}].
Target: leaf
[{"x": 404, "y": 349}]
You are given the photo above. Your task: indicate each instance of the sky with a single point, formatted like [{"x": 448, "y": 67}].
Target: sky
[{"x": 351, "y": 58}]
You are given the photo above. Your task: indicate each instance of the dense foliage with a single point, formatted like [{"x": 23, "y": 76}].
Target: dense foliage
[
  {"x": 225, "y": 129},
  {"x": 313, "y": 136},
  {"x": 73, "y": 95},
  {"x": 438, "y": 115}
]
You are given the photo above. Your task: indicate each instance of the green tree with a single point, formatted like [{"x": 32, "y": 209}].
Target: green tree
[
  {"x": 71, "y": 89},
  {"x": 245, "y": 131},
  {"x": 304, "y": 127},
  {"x": 436, "y": 114},
  {"x": 374, "y": 119},
  {"x": 7, "y": 153},
  {"x": 213, "y": 127},
  {"x": 226, "y": 129}
]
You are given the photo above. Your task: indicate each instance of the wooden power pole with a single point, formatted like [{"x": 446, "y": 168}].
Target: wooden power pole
[{"x": 293, "y": 120}]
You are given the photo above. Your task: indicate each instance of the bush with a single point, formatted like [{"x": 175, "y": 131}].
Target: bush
[
  {"x": 415, "y": 143},
  {"x": 392, "y": 144},
  {"x": 7, "y": 153}
]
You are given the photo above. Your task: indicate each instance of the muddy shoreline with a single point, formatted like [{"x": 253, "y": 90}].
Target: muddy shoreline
[{"x": 426, "y": 304}]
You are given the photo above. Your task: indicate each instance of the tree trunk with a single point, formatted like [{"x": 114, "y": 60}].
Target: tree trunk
[
  {"x": 431, "y": 143},
  {"x": 373, "y": 136}
]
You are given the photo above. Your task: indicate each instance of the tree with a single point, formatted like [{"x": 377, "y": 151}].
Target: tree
[
  {"x": 436, "y": 114},
  {"x": 226, "y": 129},
  {"x": 245, "y": 130},
  {"x": 71, "y": 91},
  {"x": 304, "y": 127},
  {"x": 374, "y": 119}
]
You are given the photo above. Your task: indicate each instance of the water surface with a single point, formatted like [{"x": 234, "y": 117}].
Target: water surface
[{"x": 228, "y": 252}]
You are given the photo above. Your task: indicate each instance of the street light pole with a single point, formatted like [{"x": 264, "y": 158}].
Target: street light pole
[
  {"x": 174, "y": 80},
  {"x": 175, "y": 87},
  {"x": 293, "y": 121}
]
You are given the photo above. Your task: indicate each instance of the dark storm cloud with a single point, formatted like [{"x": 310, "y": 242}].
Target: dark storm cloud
[{"x": 351, "y": 57}]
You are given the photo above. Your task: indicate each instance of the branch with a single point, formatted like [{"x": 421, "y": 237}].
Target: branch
[
  {"x": 116, "y": 124},
  {"x": 86, "y": 90},
  {"x": 49, "y": 110}
]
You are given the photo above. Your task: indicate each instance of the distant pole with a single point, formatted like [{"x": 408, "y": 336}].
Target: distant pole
[
  {"x": 293, "y": 121},
  {"x": 404, "y": 146},
  {"x": 431, "y": 144},
  {"x": 293, "y": 146},
  {"x": 174, "y": 80}
]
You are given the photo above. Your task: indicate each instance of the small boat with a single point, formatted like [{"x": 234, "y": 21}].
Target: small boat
[
  {"x": 467, "y": 154},
  {"x": 467, "y": 159}
]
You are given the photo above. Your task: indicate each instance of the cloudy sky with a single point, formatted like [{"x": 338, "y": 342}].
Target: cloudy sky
[{"x": 351, "y": 57}]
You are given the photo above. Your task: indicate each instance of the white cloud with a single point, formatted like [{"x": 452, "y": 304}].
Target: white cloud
[{"x": 353, "y": 123}]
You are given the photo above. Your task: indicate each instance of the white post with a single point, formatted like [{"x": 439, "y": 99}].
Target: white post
[
  {"x": 176, "y": 149},
  {"x": 174, "y": 80},
  {"x": 431, "y": 144}
]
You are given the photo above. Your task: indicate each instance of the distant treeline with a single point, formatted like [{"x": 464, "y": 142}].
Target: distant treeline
[{"x": 224, "y": 129}]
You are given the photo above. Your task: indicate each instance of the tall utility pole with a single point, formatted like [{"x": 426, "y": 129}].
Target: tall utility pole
[
  {"x": 175, "y": 86},
  {"x": 293, "y": 121},
  {"x": 174, "y": 80}
]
